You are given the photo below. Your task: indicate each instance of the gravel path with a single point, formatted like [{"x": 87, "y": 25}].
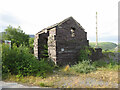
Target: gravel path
[
  {"x": 83, "y": 83},
  {"x": 14, "y": 85},
  {"x": 65, "y": 82}
]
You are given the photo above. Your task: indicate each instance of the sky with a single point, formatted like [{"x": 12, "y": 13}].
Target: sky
[{"x": 35, "y": 15}]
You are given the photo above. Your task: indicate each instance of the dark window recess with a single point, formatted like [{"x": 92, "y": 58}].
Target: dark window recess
[
  {"x": 73, "y": 28},
  {"x": 54, "y": 37},
  {"x": 72, "y": 31}
]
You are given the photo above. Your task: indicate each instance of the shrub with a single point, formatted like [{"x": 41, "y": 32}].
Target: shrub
[
  {"x": 99, "y": 63},
  {"x": 83, "y": 67},
  {"x": 84, "y": 54},
  {"x": 110, "y": 65},
  {"x": 20, "y": 61},
  {"x": 31, "y": 46},
  {"x": 44, "y": 67},
  {"x": 45, "y": 51}
]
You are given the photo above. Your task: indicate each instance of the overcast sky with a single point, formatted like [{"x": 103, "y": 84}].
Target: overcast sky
[{"x": 34, "y": 15}]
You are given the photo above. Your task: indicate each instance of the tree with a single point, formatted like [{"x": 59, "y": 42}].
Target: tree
[
  {"x": 16, "y": 35},
  {"x": 31, "y": 46}
]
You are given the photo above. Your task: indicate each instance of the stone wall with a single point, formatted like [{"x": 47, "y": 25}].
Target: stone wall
[
  {"x": 96, "y": 54},
  {"x": 52, "y": 44},
  {"x": 39, "y": 42},
  {"x": 36, "y": 45},
  {"x": 68, "y": 46},
  {"x": 64, "y": 40}
]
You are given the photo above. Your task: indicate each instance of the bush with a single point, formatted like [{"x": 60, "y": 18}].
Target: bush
[
  {"x": 45, "y": 51},
  {"x": 21, "y": 62},
  {"x": 110, "y": 65},
  {"x": 31, "y": 46},
  {"x": 84, "y": 54},
  {"x": 44, "y": 67},
  {"x": 84, "y": 66},
  {"x": 99, "y": 63}
]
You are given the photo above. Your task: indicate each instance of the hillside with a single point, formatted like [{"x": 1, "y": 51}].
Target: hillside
[
  {"x": 32, "y": 36},
  {"x": 104, "y": 45}
]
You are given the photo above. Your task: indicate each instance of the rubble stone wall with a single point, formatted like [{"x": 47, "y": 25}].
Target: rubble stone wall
[
  {"x": 36, "y": 45},
  {"x": 64, "y": 42},
  {"x": 67, "y": 47},
  {"x": 52, "y": 44}
]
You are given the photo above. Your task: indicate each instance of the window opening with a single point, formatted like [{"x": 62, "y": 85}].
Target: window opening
[{"x": 72, "y": 32}]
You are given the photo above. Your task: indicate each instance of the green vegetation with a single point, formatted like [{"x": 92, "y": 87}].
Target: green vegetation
[
  {"x": 84, "y": 66},
  {"x": 45, "y": 51},
  {"x": 97, "y": 70},
  {"x": 104, "y": 45},
  {"x": 20, "y": 65},
  {"x": 84, "y": 53},
  {"x": 42, "y": 84},
  {"x": 31, "y": 44},
  {"x": 112, "y": 65},
  {"x": 118, "y": 47},
  {"x": 16, "y": 35},
  {"x": 19, "y": 61}
]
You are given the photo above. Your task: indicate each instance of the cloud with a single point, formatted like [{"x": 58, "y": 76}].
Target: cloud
[{"x": 8, "y": 18}]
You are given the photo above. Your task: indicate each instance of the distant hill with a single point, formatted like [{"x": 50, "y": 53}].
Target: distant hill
[
  {"x": 104, "y": 45},
  {"x": 32, "y": 36}
]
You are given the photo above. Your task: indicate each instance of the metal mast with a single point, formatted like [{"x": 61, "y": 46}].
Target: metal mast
[{"x": 96, "y": 32}]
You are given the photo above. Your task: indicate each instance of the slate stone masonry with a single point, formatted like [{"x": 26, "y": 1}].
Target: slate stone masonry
[{"x": 64, "y": 41}]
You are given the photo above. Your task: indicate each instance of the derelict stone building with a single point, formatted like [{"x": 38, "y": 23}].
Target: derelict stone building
[{"x": 64, "y": 41}]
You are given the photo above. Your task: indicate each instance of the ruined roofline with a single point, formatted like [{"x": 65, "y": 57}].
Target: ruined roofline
[
  {"x": 50, "y": 27},
  {"x": 68, "y": 19},
  {"x": 58, "y": 24}
]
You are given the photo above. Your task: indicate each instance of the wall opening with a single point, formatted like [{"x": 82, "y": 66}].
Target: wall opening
[
  {"x": 72, "y": 32},
  {"x": 42, "y": 45}
]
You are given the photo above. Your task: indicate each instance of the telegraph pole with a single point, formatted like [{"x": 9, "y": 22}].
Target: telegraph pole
[{"x": 96, "y": 32}]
